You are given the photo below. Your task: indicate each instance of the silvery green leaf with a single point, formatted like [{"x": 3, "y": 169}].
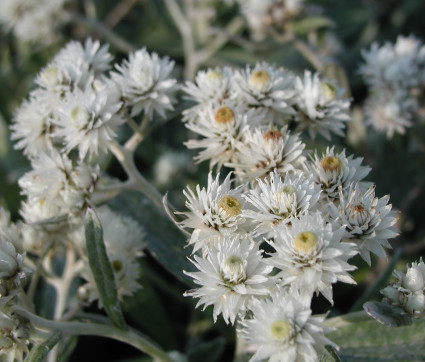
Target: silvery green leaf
[
  {"x": 101, "y": 269},
  {"x": 40, "y": 351},
  {"x": 387, "y": 315}
]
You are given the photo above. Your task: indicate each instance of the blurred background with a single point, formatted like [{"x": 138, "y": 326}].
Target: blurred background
[{"x": 335, "y": 32}]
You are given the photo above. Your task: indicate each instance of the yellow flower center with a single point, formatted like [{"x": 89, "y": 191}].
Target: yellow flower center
[
  {"x": 272, "y": 135},
  {"x": 305, "y": 242},
  {"x": 214, "y": 75},
  {"x": 331, "y": 163},
  {"x": 259, "y": 79},
  {"x": 328, "y": 91},
  {"x": 230, "y": 205},
  {"x": 51, "y": 75},
  {"x": 224, "y": 115},
  {"x": 280, "y": 329},
  {"x": 79, "y": 115},
  {"x": 233, "y": 270}
]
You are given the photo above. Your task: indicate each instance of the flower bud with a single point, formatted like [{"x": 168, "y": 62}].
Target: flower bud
[
  {"x": 9, "y": 260},
  {"x": 413, "y": 280},
  {"x": 415, "y": 303},
  {"x": 392, "y": 294}
]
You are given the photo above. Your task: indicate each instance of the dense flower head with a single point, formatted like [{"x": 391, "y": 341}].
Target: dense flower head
[
  {"x": 232, "y": 272},
  {"x": 277, "y": 200},
  {"x": 311, "y": 256},
  {"x": 56, "y": 180},
  {"x": 267, "y": 88},
  {"x": 320, "y": 106},
  {"x": 146, "y": 83},
  {"x": 283, "y": 328},
  {"x": 368, "y": 220},
  {"x": 333, "y": 170},
  {"x": 264, "y": 149},
  {"x": 395, "y": 76},
  {"x": 221, "y": 126},
  {"x": 214, "y": 211}
]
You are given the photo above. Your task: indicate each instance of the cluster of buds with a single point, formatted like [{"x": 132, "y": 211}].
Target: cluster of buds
[{"x": 408, "y": 292}]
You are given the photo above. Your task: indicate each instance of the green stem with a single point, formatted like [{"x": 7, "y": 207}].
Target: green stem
[{"x": 130, "y": 337}]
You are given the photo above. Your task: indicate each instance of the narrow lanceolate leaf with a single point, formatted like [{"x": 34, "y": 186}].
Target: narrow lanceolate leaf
[
  {"x": 387, "y": 315},
  {"x": 39, "y": 352},
  {"x": 101, "y": 269}
]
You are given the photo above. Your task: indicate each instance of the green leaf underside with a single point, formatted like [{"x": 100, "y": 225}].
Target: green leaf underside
[
  {"x": 307, "y": 25},
  {"x": 372, "y": 341},
  {"x": 164, "y": 241},
  {"x": 387, "y": 314},
  {"x": 102, "y": 270},
  {"x": 39, "y": 352}
]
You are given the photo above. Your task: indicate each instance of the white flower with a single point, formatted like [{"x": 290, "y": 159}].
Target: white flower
[
  {"x": 320, "y": 106},
  {"x": 334, "y": 170},
  {"x": 33, "y": 20},
  {"x": 33, "y": 127},
  {"x": 55, "y": 180},
  {"x": 311, "y": 256},
  {"x": 124, "y": 242},
  {"x": 264, "y": 149},
  {"x": 232, "y": 273},
  {"x": 276, "y": 201},
  {"x": 264, "y": 16},
  {"x": 88, "y": 121},
  {"x": 368, "y": 220},
  {"x": 284, "y": 329},
  {"x": 146, "y": 83},
  {"x": 388, "y": 114},
  {"x": 210, "y": 86},
  {"x": 266, "y": 88},
  {"x": 222, "y": 127},
  {"x": 213, "y": 212}
]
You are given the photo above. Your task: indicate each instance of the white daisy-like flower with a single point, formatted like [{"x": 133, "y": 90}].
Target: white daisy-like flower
[
  {"x": 33, "y": 128},
  {"x": 388, "y": 114},
  {"x": 33, "y": 20},
  {"x": 214, "y": 211},
  {"x": 88, "y": 121},
  {"x": 266, "y": 15},
  {"x": 146, "y": 83},
  {"x": 311, "y": 256},
  {"x": 277, "y": 201},
  {"x": 269, "y": 89},
  {"x": 266, "y": 149},
  {"x": 91, "y": 53},
  {"x": 333, "y": 170},
  {"x": 409, "y": 291},
  {"x": 222, "y": 127},
  {"x": 283, "y": 329},
  {"x": 368, "y": 220},
  {"x": 55, "y": 180},
  {"x": 320, "y": 106},
  {"x": 122, "y": 252},
  {"x": 231, "y": 274}
]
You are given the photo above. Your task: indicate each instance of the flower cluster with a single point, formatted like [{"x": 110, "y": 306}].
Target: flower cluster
[
  {"x": 408, "y": 292},
  {"x": 314, "y": 210},
  {"x": 395, "y": 75},
  {"x": 33, "y": 20}
]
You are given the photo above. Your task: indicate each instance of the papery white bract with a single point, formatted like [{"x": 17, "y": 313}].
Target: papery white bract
[
  {"x": 283, "y": 329},
  {"x": 146, "y": 83},
  {"x": 311, "y": 256},
  {"x": 277, "y": 200},
  {"x": 333, "y": 170},
  {"x": 368, "y": 220},
  {"x": 230, "y": 275},
  {"x": 214, "y": 211},
  {"x": 320, "y": 106},
  {"x": 264, "y": 149}
]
